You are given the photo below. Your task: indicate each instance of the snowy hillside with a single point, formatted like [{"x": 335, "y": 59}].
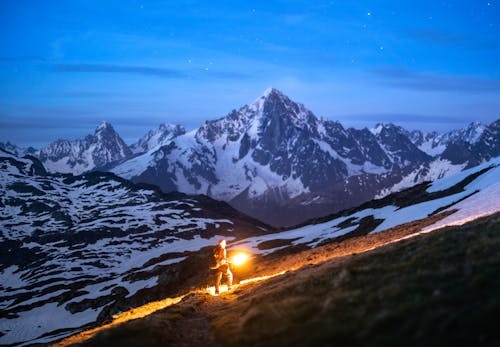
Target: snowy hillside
[
  {"x": 467, "y": 195},
  {"x": 432, "y": 171},
  {"x": 460, "y": 149},
  {"x": 75, "y": 249}
]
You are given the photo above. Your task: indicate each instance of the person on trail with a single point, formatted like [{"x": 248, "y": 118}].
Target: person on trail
[{"x": 222, "y": 266}]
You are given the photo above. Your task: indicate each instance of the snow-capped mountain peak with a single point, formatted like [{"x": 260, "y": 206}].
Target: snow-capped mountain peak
[
  {"x": 271, "y": 114},
  {"x": 157, "y": 137},
  {"x": 20, "y": 152},
  {"x": 383, "y": 127},
  {"x": 473, "y": 132},
  {"x": 269, "y": 92},
  {"x": 435, "y": 144},
  {"x": 274, "y": 103},
  {"x": 273, "y": 149},
  {"x": 99, "y": 150},
  {"x": 397, "y": 146},
  {"x": 104, "y": 131},
  {"x": 377, "y": 129},
  {"x": 104, "y": 126}
]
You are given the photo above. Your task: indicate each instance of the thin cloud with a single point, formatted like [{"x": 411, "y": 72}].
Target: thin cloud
[
  {"x": 88, "y": 95},
  {"x": 120, "y": 69},
  {"x": 149, "y": 71},
  {"x": 414, "y": 80}
]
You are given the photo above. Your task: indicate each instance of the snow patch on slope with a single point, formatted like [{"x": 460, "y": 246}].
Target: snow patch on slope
[
  {"x": 485, "y": 201},
  {"x": 448, "y": 182},
  {"x": 436, "y": 170}
]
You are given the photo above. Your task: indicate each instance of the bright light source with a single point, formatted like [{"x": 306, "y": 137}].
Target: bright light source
[{"x": 240, "y": 258}]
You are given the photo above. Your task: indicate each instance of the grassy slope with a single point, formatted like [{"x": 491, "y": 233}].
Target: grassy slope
[{"x": 436, "y": 289}]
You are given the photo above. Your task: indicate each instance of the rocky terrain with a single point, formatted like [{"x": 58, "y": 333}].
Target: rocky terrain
[
  {"x": 275, "y": 160},
  {"x": 72, "y": 278}
]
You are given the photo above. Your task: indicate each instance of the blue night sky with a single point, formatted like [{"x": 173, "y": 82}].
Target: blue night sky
[{"x": 67, "y": 65}]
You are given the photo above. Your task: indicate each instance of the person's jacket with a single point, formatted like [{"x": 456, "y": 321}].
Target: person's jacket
[{"x": 220, "y": 256}]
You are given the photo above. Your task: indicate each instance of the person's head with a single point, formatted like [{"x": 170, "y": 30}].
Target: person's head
[{"x": 222, "y": 243}]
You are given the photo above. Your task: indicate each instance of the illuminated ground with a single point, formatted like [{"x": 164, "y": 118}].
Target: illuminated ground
[{"x": 438, "y": 288}]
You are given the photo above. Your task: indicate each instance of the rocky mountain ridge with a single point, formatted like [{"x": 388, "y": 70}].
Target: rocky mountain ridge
[
  {"x": 101, "y": 149},
  {"x": 275, "y": 160}
]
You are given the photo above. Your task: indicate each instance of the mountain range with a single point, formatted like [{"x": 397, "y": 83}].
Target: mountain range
[
  {"x": 276, "y": 161},
  {"x": 94, "y": 227},
  {"x": 76, "y": 250}
]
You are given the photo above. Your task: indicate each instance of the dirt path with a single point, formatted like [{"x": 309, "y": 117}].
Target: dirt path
[
  {"x": 189, "y": 322},
  {"x": 135, "y": 313}
]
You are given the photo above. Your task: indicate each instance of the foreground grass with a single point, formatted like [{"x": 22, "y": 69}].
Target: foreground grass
[
  {"x": 437, "y": 289},
  {"x": 440, "y": 289}
]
